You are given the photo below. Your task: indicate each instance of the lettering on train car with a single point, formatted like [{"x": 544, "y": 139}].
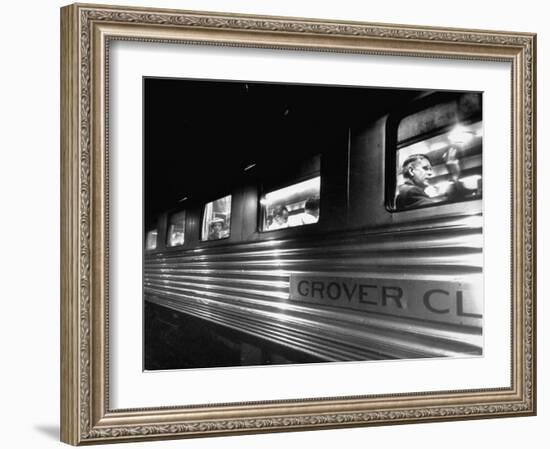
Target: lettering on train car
[{"x": 454, "y": 302}]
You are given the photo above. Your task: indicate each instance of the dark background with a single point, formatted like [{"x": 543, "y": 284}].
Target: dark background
[{"x": 199, "y": 136}]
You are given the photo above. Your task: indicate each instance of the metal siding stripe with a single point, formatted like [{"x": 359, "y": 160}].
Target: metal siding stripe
[{"x": 246, "y": 287}]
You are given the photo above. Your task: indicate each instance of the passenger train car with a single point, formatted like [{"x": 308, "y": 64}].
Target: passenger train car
[{"x": 298, "y": 248}]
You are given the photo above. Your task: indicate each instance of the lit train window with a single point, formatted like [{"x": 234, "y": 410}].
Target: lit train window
[
  {"x": 291, "y": 206},
  {"x": 216, "y": 219},
  {"x": 176, "y": 229},
  {"x": 151, "y": 239},
  {"x": 439, "y": 155}
]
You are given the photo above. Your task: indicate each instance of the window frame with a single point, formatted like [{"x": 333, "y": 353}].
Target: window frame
[
  {"x": 167, "y": 234},
  {"x": 262, "y": 193},
  {"x": 392, "y": 148},
  {"x": 202, "y": 218},
  {"x": 147, "y": 249}
]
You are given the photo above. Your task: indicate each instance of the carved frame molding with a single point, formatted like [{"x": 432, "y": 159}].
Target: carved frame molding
[{"x": 87, "y": 31}]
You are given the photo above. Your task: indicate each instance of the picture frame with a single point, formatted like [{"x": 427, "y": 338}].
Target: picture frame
[{"x": 87, "y": 415}]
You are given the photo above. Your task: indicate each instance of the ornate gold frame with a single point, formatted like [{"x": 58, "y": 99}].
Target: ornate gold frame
[{"x": 86, "y": 33}]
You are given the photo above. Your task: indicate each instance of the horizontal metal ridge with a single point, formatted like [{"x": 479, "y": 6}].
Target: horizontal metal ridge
[
  {"x": 324, "y": 340},
  {"x": 460, "y": 237},
  {"x": 319, "y": 313},
  {"x": 246, "y": 287}
]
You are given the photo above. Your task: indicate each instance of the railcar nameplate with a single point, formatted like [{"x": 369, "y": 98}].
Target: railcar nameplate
[{"x": 457, "y": 302}]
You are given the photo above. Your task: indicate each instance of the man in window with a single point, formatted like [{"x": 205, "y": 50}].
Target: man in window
[{"x": 416, "y": 191}]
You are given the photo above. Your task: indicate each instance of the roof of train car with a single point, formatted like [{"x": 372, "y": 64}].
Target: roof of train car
[{"x": 200, "y": 135}]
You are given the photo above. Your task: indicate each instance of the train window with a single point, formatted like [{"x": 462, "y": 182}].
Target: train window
[
  {"x": 439, "y": 154},
  {"x": 176, "y": 229},
  {"x": 216, "y": 219},
  {"x": 151, "y": 239},
  {"x": 295, "y": 205}
]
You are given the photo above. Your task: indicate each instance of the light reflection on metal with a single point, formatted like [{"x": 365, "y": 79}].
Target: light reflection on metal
[
  {"x": 276, "y": 253},
  {"x": 185, "y": 198},
  {"x": 246, "y": 289},
  {"x": 476, "y": 222},
  {"x": 248, "y": 167},
  {"x": 285, "y": 307}
]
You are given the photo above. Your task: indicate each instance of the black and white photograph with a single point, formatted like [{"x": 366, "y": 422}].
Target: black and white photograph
[
  {"x": 303, "y": 223},
  {"x": 264, "y": 219}
]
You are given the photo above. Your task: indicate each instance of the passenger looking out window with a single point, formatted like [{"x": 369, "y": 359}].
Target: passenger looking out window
[
  {"x": 417, "y": 191},
  {"x": 424, "y": 182},
  {"x": 217, "y": 230},
  {"x": 439, "y": 154},
  {"x": 216, "y": 219}
]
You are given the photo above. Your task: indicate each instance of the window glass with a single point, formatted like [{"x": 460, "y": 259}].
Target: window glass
[
  {"x": 295, "y": 205},
  {"x": 216, "y": 219},
  {"x": 151, "y": 239},
  {"x": 444, "y": 163},
  {"x": 175, "y": 235}
]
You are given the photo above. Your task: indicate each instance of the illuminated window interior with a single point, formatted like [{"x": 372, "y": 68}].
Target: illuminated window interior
[
  {"x": 295, "y": 205},
  {"x": 444, "y": 166},
  {"x": 216, "y": 222},
  {"x": 151, "y": 239},
  {"x": 175, "y": 235}
]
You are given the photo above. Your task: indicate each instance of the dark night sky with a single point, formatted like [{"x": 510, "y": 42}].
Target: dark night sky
[{"x": 200, "y": 135}]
